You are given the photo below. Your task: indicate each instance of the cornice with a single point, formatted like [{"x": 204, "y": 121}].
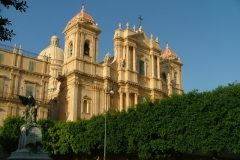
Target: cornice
[
  {"x": 79, "y": 26},
  {"x": 166, "y": 61},
  {"x": 96, "y": 87},
  {"x": 77, "y": 72},
  {"x": 35, "y": 74},
  {"x": 16, "y": 101},
  {"x": 3, "y": 76},
  {"x": 22, "y": 71},
  {"x": 31, "y": 82}
]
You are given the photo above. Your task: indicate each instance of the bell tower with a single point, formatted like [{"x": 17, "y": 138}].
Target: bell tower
[
  {"x": 171, "y": 72},
  {"x": 81, "y": 42},
  {"x": 80, "y": 61}
]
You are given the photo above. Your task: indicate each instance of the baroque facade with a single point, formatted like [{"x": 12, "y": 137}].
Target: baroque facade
[
  {"x": 22, "y": 75},
  {"x": 79, "y": 86}
]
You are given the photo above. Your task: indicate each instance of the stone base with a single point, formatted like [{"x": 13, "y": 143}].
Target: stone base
[{"x": 26, "y": 155}]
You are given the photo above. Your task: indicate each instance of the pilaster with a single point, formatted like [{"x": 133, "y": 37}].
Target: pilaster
[
  {"x": 136, "y": 98},
  {"x": 120, "y": 100},
  {"x": 127, "y": 100},
  {"x": 14, "y": 59},
  {"x": 81, "y": 44},
  {"x": 158, "y": 68},
  {"x": 96, "y": 48},
  {"x": 74, "y": 101},
  {"x": 152, "y": 66},
  {"x": 93, "y": 49}
]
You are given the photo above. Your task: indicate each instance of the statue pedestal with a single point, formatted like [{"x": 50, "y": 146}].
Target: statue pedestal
[
  {"x": 30, "y": 145},
  {"x": 25, "y": 155}
]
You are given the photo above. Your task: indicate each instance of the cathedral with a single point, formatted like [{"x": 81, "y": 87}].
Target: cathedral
[{"x": 71, "y": 83}]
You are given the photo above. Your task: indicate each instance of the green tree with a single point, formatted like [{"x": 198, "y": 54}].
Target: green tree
[
  {"x": 10, "y": 133},
  {"x": 5, "y": 33},
  {"x": 196, "y": 121},
  {"x": 46, "y": 124}
]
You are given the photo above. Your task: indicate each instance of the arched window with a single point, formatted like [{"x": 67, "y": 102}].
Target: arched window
[
  {"x": 70, "y": 49},
  {"x": 164, "y": 77},
  {"x": 86, "y": 48}
]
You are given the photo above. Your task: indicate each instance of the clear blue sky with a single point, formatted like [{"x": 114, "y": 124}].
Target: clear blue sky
[{"x": 205, "y": 34}]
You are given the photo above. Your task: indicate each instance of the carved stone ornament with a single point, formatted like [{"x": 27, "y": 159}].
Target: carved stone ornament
[
  {"x": 122, "y": 63},
  {"x": 106, "y": 58}
]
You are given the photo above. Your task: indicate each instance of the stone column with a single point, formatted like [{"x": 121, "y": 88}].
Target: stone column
[
  {"x": 152, "y": 66},
  {"x": 46, "y": 90},
  {"x": 127, "y": 57},
  {"x": 42, "y": 91},
  {"x": 93, "y": 50},
  {"x": 169, "y": 84},
  {"x": 180, "y": 78},
  {"x": 135, "y": 98},
  {"x": 74, "y": 101},
  {"x": 121, "y": 101},
  {"x": 16, "y": 85},
  {"x": 134, "y": 59},
  {"x": 96, "y": 49},
  {"x": 158, "y": 68},
  {"x": 74, "y": 45},
  {"x": 95, "y": 100},
  {"x": 94, "y": 95},
  {"x": 127, "y": 73},
  {"x": 10, "y": 85},
  {"x": 14, "y": 59},
  {"x": 98, "y": 101},
  {"x": 44, "y": 66},
  {"x": 19, "y": 60},
  {"x": 134, "y": 64},
  {"x": 66, "y": 50},
  {"x": 82, "y": 44},
  {"x": 127, "y": 99}
]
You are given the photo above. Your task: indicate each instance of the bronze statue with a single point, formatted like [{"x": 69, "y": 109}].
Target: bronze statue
[{"x": 30, "y": 114}]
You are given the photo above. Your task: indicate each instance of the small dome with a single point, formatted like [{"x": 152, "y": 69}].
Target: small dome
[
  {"x": 82, "y": 16},
  {"x": 168, "y": 54},
  {"x": 53, "y": 50}
]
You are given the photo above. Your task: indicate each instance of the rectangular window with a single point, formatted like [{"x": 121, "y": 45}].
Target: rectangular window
[
  {"x": 1, "y": 58},
  {"x": 29, "y": 91},
  {"x": 141, "y": 68},
  {"x": 31, "y": 66}
]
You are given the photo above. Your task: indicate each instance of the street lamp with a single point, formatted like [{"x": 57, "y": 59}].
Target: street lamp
[{"x": 108, "y": 91}]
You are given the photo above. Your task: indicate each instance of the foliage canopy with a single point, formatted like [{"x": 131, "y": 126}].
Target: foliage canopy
[
  {"x": 196, "y": 121},
  {"x": 5, "y": 33}
]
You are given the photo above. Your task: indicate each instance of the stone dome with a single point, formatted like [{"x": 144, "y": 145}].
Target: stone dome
[
  {"x": 168, "y": 54},
  {"x": 53, "y": 50},
  {"x": 82, "y": 16}
]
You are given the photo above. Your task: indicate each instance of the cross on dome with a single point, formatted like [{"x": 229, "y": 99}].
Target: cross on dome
[
  {"x": 83, "y": 7},
  {"x": 166, "y": 45},
  {"x": 140, "y": 19},
  {"x": 168, "y": 54}
]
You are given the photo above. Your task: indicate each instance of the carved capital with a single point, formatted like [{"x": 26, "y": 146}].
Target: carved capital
[
  {"x": 75, "y": 83},
  {"x": 67, "y": 97}
]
